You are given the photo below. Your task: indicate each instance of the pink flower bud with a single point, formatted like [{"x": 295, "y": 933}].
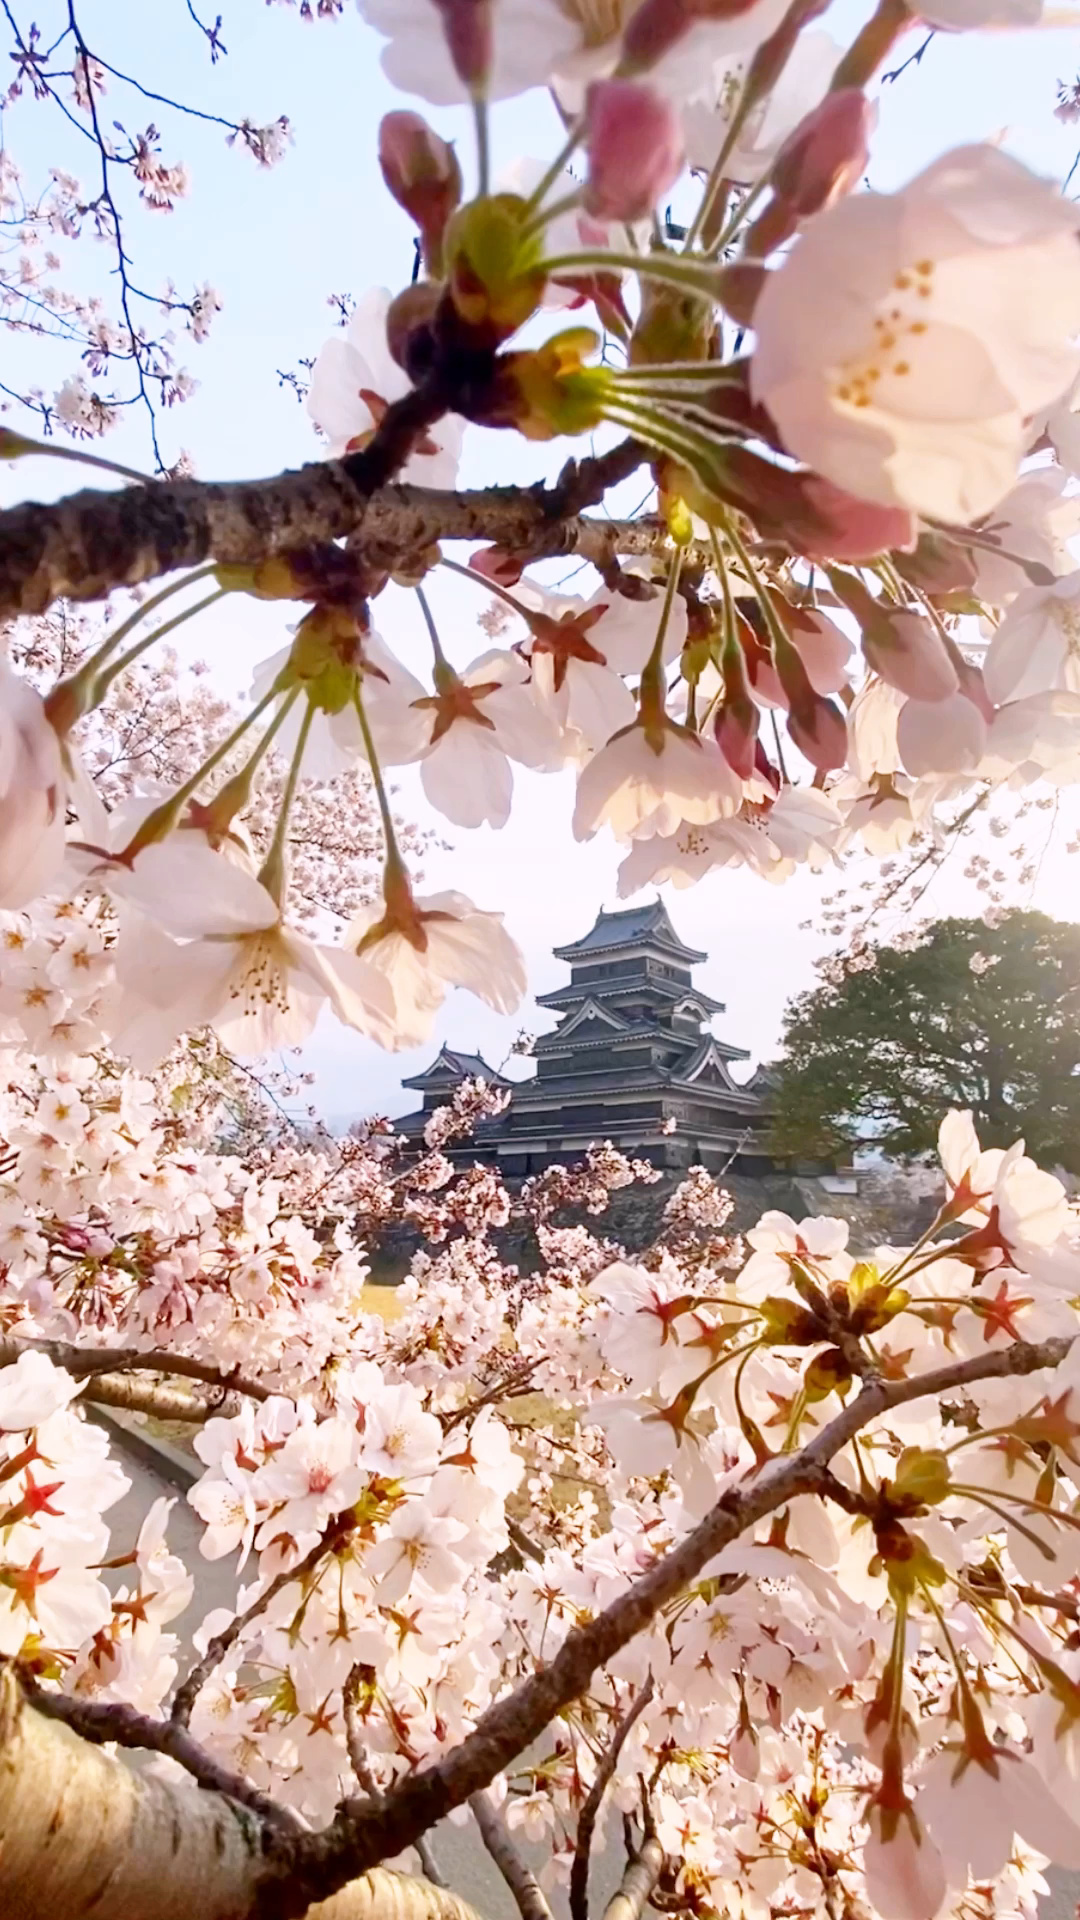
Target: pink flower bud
[
  {"x": 822, "y": 648},
  {"x": 910, "y": 655},
  {"x": 467, "y": 30},
  {"x": 635, "y": 149},
  {"x": 808, "y": 512},
  {"x": 422, "y": 173},
  {"x": 826, "y": 154},
  {"x": 736, "y": 724},
  {"x": 653, "y": 30},
  {"x": 816, "y": 725}
]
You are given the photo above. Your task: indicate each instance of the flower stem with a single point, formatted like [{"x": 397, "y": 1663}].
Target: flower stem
[
  {"x": 104, "y": 680},
  {"x": 395, "y": 865},
  {"x": 67, "y": 694},
  {"x": 544, "y": 215},
  {"x": 872, "y": 44},
  {"x": 442, "y": 664},
  {"x": 535, "y": 200},
  {"x": 768, "y": 611},
  {"x": 749, "y": 199},
  {"x": 479, "y": 580},
  {"x": 234, "y": 795},
  {"x": 14, "y": 445},
  {"x": 693, "y": 274},
  {"x": 483, "y": 145},
  {"x": 651, "y": 693},
  {"x": 272, "y": 871},
  {"x": 160, "y": 822}
]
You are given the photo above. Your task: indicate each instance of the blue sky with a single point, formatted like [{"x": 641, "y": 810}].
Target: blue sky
[{"x": 277, "y": 245}]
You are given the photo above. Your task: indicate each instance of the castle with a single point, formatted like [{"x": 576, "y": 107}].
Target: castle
[{"x": 631, "y": 1060}]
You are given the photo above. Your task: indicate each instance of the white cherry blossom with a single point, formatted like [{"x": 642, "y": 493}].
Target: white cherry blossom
[
  {"x": 474, "y": 724},
  {"x": 876, "y": 351},
  {"x": 259, "y": 983},
  {"x": 801, "y": 85},
  {"x": 1037, "y": 646},
  {"x": 642, "y": 783},
  {"x": 354, "y": 380},
  {"x": 417, "y": 1548},
  {"x": 443, "y": 940},
  {"x": 32, "y": 793}
]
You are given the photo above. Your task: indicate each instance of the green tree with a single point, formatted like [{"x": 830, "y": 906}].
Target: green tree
[{"x": 970, "y": 1016}]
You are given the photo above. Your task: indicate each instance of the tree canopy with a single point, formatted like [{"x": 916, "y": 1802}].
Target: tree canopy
[{"x": 970, "y": 1016}]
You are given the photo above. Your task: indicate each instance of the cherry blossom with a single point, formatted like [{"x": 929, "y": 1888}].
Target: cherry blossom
[
  {"x": 418, "y": 1548},
  {"x": 32, "y": 793},
  {"x": 640, "y": 784},
  {"x": 441, "y": 940},
  {"x": 528, "y": 39},
  {"x": 355, "y": 378},
  {"x": 890, "y": 282},
  {"x": 474, "y": 724},
  {"x": 257, "y": 982},
  {"x": 707, "y": 116},
  {"x": 1037, "y": 645}
]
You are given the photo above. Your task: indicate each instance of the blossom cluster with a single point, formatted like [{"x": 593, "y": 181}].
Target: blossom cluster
[{"x": 872, "y": 1692}]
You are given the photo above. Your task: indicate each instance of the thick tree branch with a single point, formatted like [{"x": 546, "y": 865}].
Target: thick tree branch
[
  {"x": 100, "y": 1721},
  {"x": 83, "y": 547},
  {"x": 82, "y": 1833},
  {"x": 638, "y": 1882},
  {"x": 85, "y": 1363},
  {"x": 528, "y": 1894},
  {"x": 164, "y": 1403},
  {"x": 609, "y": 1760}
]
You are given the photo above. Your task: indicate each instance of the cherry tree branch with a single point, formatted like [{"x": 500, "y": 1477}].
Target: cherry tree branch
[
  {"x": 189, "y": 1689},
  {"x": 132, "y": 1395},
  {"x": 283, "y": 1873},
  {"x": 83, "y": 1832},
  {"x": 638, "y": 1882},
  {"x": 112, "y": 1720},
  {"x": 579, "y": 1869},
  {"x": 529, "y": 1896},
  {"x": 94, "y": 541},
  {"x": 86, "y": 1363}
]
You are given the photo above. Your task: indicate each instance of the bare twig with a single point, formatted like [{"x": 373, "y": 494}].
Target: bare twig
[
  {"x": 354, "y": 1739},
  {"x": 609, "y": 1760},
  {"x": 104, "y": 1720},
  {"x": 1067, "y": 1604},
  {"x": 528, "y": 1894},
  {"x": 189, "y": 1689},
  {"x": 523, "y": 1541},
  {"x": 432, "y": 1869}
]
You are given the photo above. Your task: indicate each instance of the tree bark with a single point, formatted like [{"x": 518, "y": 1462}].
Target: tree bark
[
  {"x": 638, "y": 1882},
  {"x": 85, "y": 1837},
  {"x": 83, "y": 547}
]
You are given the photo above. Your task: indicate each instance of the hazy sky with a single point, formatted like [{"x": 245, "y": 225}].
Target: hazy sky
[{"x": 276, "y": 246}]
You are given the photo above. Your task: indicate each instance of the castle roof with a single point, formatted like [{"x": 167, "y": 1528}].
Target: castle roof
[
  {"x": 630, "y": 927},
  {"x": 449, "y": 1067}
]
